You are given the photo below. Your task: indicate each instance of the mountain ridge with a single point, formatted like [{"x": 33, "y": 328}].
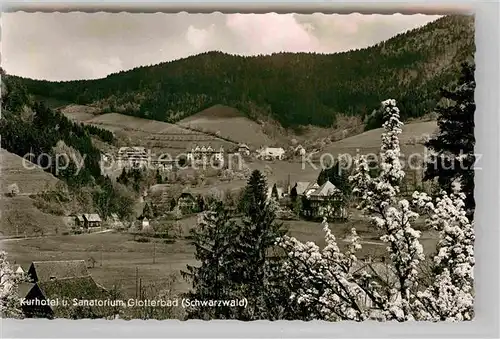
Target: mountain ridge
[{"x": 294, "y": 89}]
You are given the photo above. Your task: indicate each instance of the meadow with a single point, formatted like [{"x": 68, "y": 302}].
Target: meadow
[{"x": 118, "y": 257}]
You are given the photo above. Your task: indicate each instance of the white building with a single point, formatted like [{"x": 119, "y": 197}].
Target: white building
[
  {"x": 133, "y": 157},
  {"x": 205, "y": 154},
  {"x": 272, "y": 153}
]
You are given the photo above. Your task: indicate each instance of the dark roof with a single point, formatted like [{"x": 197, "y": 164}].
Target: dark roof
[
  {"x": 79, "y": 287},
  {"x": 92, "y": 217},
  {"x": 24, "y": 288},
  {"x": 44, "y": 270}
]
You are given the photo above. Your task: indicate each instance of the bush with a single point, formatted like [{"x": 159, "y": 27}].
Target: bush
[{"x": 143, "y": 239}]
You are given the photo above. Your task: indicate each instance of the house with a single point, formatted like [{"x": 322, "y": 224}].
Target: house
[
  {"x": 92, "y": 220},
  {"x": 205, "y": 154},
  {"x": 57, "y": 269},
  {"x": 321, "y": 201},
  {"x": 187, "y": 203},
  {"x": 55, "y": 281},
  {"x": 305, "y": 188},
  {"x": 272, "y": 153},
  {"x": 243, "y": 149},
  {"x": 133, "y": 157},
  {"x": 79, "y": 221}
]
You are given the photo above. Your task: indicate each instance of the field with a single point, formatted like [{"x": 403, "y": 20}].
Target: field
[
  {"x": 369, "y": 141},
  {"x": 228, "y": 123},
  {"x": 21, "y": 217},
  {"x": 118, "y": 255},
  {"x": 29, "y": 180},
  {"x": 160, "y": 137}
]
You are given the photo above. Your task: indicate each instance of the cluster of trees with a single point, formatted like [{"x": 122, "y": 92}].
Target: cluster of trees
[
  {"x": 292, "y": 88},
  {"x": 29, "y": 126}
]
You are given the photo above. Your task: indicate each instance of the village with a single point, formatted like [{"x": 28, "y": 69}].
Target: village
[{"x": 166, "y": 205}]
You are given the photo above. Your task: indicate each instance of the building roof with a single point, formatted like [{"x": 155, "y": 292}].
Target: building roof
[
  {"x": 80, "y": 288},
  {"x": 325, "y": 190},
  {"x": 79, "y": 217},
  {"x": 92, "y": 217},
  {"x": 24, "y": 288},
  {"x": 243, "y": 146},
  {"x": 61, "y": 269},
  {"x": 274, "y": 149}
]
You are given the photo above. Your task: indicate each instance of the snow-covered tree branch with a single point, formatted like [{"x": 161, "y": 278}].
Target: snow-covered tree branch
[
  {"x": 336, "y": 285},
  {"x": 9, "y": 281}
]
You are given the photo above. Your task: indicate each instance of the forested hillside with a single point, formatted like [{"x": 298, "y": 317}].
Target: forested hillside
[
  {"x": 294, "y": 89},
  {"x": 28, "y": 126}
]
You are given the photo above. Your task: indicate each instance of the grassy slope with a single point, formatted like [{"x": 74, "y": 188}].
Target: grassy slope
[
  {"x": 19, "y": 214},
  {"x": 228, "y": 123}
]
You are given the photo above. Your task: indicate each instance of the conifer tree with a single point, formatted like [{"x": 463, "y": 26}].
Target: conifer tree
[
  {"x": 255, "y": 264},
  {"x": 213, "y": 240},
  {"x": 453, "y": 147}
]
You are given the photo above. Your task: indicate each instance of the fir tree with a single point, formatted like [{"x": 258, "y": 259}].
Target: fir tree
[
  {"x": 453, "y": 146},
  {"x": 255, "y": 267},
  {"x": 213, "y": 239},
  {"x": 255, "y": 194}
]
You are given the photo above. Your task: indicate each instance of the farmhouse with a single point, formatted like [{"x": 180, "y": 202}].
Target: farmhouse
[
  {"x": 133, "y": 157},
  {"x": 79, "y": 221},
  {"x": 272, "y": 153},
  {"x": 40, "y": 271},
  {"x": 55, "y": 281},
  {"x": 205, "y": 154},
  {"x": 91, "y": 220}
]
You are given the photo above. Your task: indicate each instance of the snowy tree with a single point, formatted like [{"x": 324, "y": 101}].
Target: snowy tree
[
  {"x": 330, "y": 284},
  {"x": 450, "y": 297},
  {"x": 9, "y": 282}
]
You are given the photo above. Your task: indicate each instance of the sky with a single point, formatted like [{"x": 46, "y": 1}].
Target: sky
[{"x": 70, "y": 46}]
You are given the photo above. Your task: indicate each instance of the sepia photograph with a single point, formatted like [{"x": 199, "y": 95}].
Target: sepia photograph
[{"x": 238, "y": 166}]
